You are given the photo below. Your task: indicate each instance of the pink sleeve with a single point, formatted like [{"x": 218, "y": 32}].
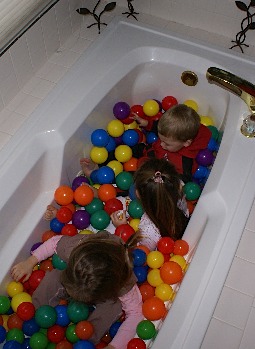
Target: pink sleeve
[
  {"x": 132, "y": 306},
  {"x": 47, "y": 249}
]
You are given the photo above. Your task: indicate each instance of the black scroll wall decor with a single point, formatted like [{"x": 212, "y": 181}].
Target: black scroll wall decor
[{"x": 246, "y": 24}]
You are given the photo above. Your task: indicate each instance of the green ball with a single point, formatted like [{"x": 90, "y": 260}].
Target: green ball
[
  {"x": 38, "y": 341},
  {"x": 15, "y": 334},
  {"x": 51, "y": 345},
  {"x": 58, "y": 263},
  {"x": 77, "y": 311},
  {"x": 95, "y": 205},
  {"x": 146, "y": 329},
  {"x": 100, "y": 220},
  {"x": 124, "y": 180},
  {"x": 71, "y": 335},
  {"x": 5, "y": 304},
  {"x": 192, "y": 191},
  {"x": 45, "y": 316},
  {"x": 215, "y": 132},
  {"x": 135, "y": 209}
]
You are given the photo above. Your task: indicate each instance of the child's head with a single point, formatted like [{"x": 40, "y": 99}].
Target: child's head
[
  {"x": 158, "y": 187},
  {"x": 98, "y": 268},
  {"x": 177, "y": 127}
]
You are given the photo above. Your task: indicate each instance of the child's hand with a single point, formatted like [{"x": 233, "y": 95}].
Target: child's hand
[
  {"x": 24, "y": 268},
  {"x": 118, "y": 218},
  {"x": 141, "y": 122}
]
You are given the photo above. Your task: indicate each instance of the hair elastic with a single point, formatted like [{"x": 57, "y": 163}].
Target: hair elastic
[{"x": 157, "y": 177}]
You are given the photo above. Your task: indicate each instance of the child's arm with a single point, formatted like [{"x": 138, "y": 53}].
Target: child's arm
[{"x": 132, "y": 306}]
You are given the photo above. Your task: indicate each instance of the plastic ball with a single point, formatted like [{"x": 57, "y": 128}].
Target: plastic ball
[
  {"x": 134, "y": 223},
  {"x": 78, "y": 181},
  {"x": 115, "y": 128},
  {"x": 20, "y": 298},
  {"x": 206, "y": 120},
  {"x": 93, "y": 176},
  {"x": 139, "y": 257},
  {"x": 164, "y": 292},
  {"x": 215, "y": 132},
  {"x": 146, "y": 329},
  {"x": 205, "y": 157},
  {"x": 58, "y": 263},
  {"x": 62, "y": 316},
  {"x": 83, "y": 195},
  {"x": 113, "y": 205},
  {"x": 63, "y": 195},
  {"x": 136, "y": 343},
  {"x": 154, "y": 278},
  {"x": 124, "y": 180},
  {"x": 84, "y": 344},
  {"x": 47, "y": 235},
  {"x": 153, "y": 308},
  {"x": 179, "y": 260},
  {"x": 191, "y": 190},
  {"x": 64, "y": 214},
  {"x": 26, "y": 310},
  {"x": 14, "y": 321},
  {"x": 181, "y": 247},
  {"x": 123, "y": 153},
  {"x": 81, "y": 219},
  {"x": 213, "y": 145},
  {"x": 56, "y": 225},
  {"x": 130, "y": 137},
  {"x": 171, "y": 273},
  {"x": 25, "y": 344},
  {"x": 168, "y": 102},
  {"x": 77, "y": 311},
  {"x": 64, "y": 344},
  {"x": 30, "y": 327},
  {"x": 147, "y": 291},
  {"x": 12, "y": 344},
  {"x": 131, "y": 192},
  {"x": 35, "y": 278},
  {"x": 99, "y": 138},
  {"x": 55, "y": 333},
  {"x": 165, "y": 245},
  {"x": 130, "y": 165},
  {"x": 38, "y": 341},
  {"x": 121, "y": 110},
  {"x": 45, "y": 316},
  {"x": 135, "y": 209},
  {"x": 138, "y": 110},
  {"x": 116, "y": 166},
  {"x": 114, "y": 328},
  {"x": 141, "y": 273},
  {"x": 111, "y": 145},
  {"x": 107, "y": 192},
  {"x": 13, "y": 288},
  {"x": 105, "y": 174},
  {"x": 100, "y": 220},
  {"x": 2, "y": 334},
  {"x": 131, "y": 126},
  {"x": 150, "y": 107},
  {"x": 192, "y": 104},
  {"x": 95, "y": 205},
  {"x": 151, "y": 137},
  {"x": 84, "y": 329},
  {"x": 69, "y": 229},
  {"x": 201, "y": 172},
  {"x": 99, "y": 155},
  {"x": 124, "y": 231},
  {"x": 155, "y": 259},
  {"x": 71, "y": 335}
]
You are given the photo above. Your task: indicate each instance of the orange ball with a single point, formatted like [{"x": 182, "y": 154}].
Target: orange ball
[
  {"x": 83, "y": 195},
  {"x": 63, "y": 195},
  {"x": 14, "y": 321},
  {"x": 107, "y": 192},
  {"x": 153, "y": 309},
  {"x": 144, "y": 248},
  {"x": 130, "y": 165},
  {"x": 181, "y": 247},
  {"x": 171, "y": 273},
  {"x": 47, "y": 235},
  {"x": 147, "y": 291},
  {"x": 84, "y": 329}
]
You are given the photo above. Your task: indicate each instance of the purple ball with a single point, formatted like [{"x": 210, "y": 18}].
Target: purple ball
[
  {"x": 81, "y": 219},
  {"x": 35, "y": 246},
  {"x": 121, "y": 110},
  {"x": 118, "y": 140},
  {"x": 78, "y": 181},
  {"x": 205, "y": 157}
]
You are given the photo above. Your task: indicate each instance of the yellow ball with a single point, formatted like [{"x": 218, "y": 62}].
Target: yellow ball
[
  {"x": 14, "y": 288},
  {"x": 20, "y": 298},
  {"x": 115, "y": 128},
  {"x": 86, "y": 232},
  {"x": 192, "y": 104},
  {"x": 179, "y": 260},
  {"x": 96, "y": 185},
  {"x": 164, "y": 292},
  {"x": 154, "y": 278},
  {"x": 5, "y": 320},
  {"x": 206, "y": 120},
  {"x": 116, "y": 166},
  {"x": 134, "y": 223},
  {"x": 151, "y": 107},
  {"x": 131, "y": 126},
  {"x": 99, "y": 155},
  {"x": 155, "y": 259},
  {"x": 123, "y": 153}
]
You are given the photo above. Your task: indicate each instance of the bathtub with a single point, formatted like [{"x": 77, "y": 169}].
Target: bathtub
[{"x": 133, "y": 63}]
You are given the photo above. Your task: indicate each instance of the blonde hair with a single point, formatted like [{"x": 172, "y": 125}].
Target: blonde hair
[
  {"x": 179, "y": 123},
  {"x": 98, "y": 268}
]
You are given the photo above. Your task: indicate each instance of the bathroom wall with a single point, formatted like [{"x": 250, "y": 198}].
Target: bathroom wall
[{"x": 33, "y": 49}]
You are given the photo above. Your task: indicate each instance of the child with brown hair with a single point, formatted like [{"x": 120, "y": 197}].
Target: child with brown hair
[{"x": 99, "y": 272}]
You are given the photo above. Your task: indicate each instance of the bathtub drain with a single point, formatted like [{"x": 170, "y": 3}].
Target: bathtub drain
[{"x": 189, "y": 78}]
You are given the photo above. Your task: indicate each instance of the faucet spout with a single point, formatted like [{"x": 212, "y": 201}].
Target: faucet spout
[{"x": 242, "y": 88}]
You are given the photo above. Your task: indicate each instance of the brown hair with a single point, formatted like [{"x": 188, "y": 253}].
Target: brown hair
[
  {"x": 179, "y": 123},
  {"x": 98, "y": 268},
  {"x": 159, "y": 196}
]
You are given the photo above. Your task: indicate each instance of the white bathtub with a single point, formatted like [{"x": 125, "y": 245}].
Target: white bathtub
[{"x": 134, "y": 63}]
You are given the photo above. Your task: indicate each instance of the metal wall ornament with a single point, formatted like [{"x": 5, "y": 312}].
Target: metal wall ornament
[
  {"x": 246, "y": 24},
  {"x": 131, "y": 10}
]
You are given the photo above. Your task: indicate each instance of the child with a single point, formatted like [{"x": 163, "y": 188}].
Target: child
[
  {"x": 181, "y": 136},
  {"x": 99, "y": 272},
  {"x": 159, "y": 189}
]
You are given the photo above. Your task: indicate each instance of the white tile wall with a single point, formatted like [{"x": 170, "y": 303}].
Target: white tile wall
[{"x": 34, "y": 65}]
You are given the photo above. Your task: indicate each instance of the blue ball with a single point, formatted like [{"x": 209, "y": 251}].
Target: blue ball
[
  {"x": 2, "y": 334},
  {"x": 25, "y": 344},
  {"x": 201, "y": 172},
  {"x": 111, "y": 145},
  {"x": 114, "y": 328},
  {"x": 139, "y": 257},
  {"x": 56, "y": 226},
  {"x": 213, "y": 145},
  {"x": 131, "y": 192},
  {"x": 30, "y": 327},
  {"x": 130, "y": 137},
  {"x": 62, "y": 316},
  {"x": 12, "y": 345},
  {"x": 105, "y": 174},
  {"x": 141, "y": 273},
  {"x": 99, "y": 138},
  {"x": 151, "y": 137},
  {"x": 83, "y": 344},
  {"x": 93, "y": 176}
]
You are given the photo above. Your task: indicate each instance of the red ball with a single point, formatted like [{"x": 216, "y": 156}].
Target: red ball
[
  {"x": 84, "y": 329},
  {"x": 14, "y": 321},
  {"x": 165, "y": 245},
  {"x": 26, "y": 311},
  {"x": 124, "y": 231},
  {"x": 168, "y": 102},
  {"x": 69, "y": 229},
  {"x": 136, "y": 343},
  {"x": 35, "y": 278},
  {"x": 138, "y": 110},
  {"x": 181, "y": 247},
  {"x": 113, "y": 205},
  {"x": 56, "y": 333},
  {"x": 46, "y": 265},
  {"x": 64, "y": 344},
  {"x": 154, "y": 308},
  {"x": 64, "y": 214},
  {"x": 147, "y": 291}
]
